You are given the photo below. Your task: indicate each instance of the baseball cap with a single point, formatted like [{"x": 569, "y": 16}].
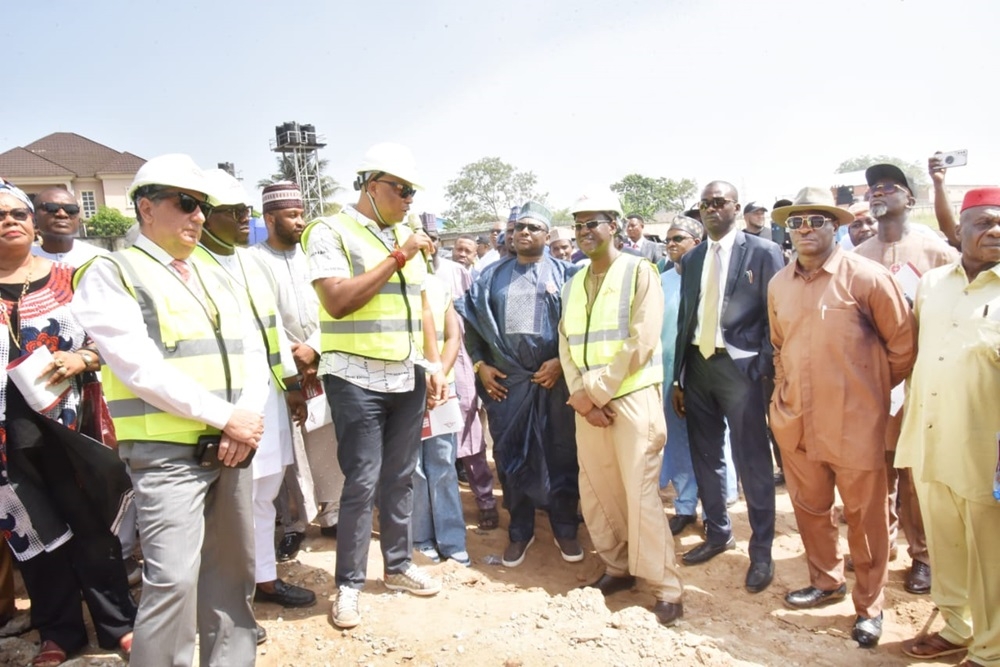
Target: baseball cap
[{"x": 877, "y": 172}]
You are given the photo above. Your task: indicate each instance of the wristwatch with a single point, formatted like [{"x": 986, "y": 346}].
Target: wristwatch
[
  {"x": 434, "y": 367},
  {"x": 475, "y": 366},
  {"x": 88, "y": 358}
]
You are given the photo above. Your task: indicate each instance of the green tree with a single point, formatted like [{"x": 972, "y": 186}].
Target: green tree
[
  {"x": 485, "y": 191},
  {"x": 645, "y": 195},
  {"x": 915, "y": 171},
  {"x": 287, "y": 170},
  {"x": 107, "y": 222}
]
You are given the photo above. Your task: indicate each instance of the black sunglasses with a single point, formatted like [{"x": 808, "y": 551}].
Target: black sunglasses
[
  {"x": 679, "y": 238},
  {"x": 19, "y": 214},
  {"x": 53, "y": 207},
  {"x": 186, "y": 202},
  {"x": 239, "y": 213},
  {"x": 590, "y": 224},
  {"x": 404, "y": 191},
  {"x": 714, "y": 202},
  {"x": 814, "y": 221},
  {"x": 531, "y": 227}
]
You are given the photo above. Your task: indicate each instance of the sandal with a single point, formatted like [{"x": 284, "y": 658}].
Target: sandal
[
  {"x": 489, "y": 519},
  {"x": 125, "y": 645},
  {"x": 50, "y": 654},
  {"x": 931, "y": 646}
]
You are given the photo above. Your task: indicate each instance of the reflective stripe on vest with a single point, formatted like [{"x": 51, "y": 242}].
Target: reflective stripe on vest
[
  {"x": 187, "y": 337},
  {"x": 391, "y": 322},
  {"x": 594, "y": 339},
  {"x": 261, "y": 300}
]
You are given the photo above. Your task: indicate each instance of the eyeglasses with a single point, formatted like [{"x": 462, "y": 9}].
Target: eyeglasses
[
  {"x": 590, "y": 224},
  {"x": 404, "y": 191},
  {"x": 714, "y": 202},
  {"x": 186, "y": 202},
  {"x": 19, "y": 214},
  {"x": 814, "y": 221},
  {"x": 531, "y": 227},
  {"x": 884, "y": 189},
  {"x": 679, "y": 238},
  {"x": 239, "y": 213},
  {"x": 53, "y": 207}
]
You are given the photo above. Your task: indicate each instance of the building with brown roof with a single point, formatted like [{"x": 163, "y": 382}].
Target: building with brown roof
[{"x": 95, "y": 174}]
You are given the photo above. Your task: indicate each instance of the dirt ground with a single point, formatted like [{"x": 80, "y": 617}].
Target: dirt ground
[{"x": 536, "y": 614}]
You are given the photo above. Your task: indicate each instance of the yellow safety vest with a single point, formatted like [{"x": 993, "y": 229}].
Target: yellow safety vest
[
  {"x": 201, "y": 340},
  {"x": 387, "y": 326},
  {"x": 595, "y": 339},
  {"x": 261, "y": 300},
  {"x": 439, "y": 296}
]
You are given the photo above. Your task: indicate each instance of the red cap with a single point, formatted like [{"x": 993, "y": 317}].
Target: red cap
[{"x": 981, "y": 197}]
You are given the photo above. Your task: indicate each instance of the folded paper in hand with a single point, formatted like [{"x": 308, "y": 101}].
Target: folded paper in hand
[{"x": 24, "y": 371}]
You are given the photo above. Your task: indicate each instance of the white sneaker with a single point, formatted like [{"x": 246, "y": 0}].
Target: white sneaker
[
  {"x": 413, "y": 580},
  {"x": 345, "y": 612}
]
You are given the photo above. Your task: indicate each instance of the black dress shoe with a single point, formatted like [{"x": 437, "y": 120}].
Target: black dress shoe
[
  {"x": 329, "y": 531},
  {"x": 759, "y": 576},
  {"x": 668, "y": 613},
  {"x": 707, "y": 551},
  {"x": 609, "y": 585},
  {"x": 261, "y": 634},
  {"x": 807, "y": 598},
  {"x": 679, "y": 522},
  {"x": 288, "y": 547},
  {"x": 918, "y": 580},
  {"x": 287, "y": 595},
  {"x": 867, "y": 631}
]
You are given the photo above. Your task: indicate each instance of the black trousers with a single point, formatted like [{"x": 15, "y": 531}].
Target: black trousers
[
  {"x": 716, "y": 392},
  {"x": 88, "y": 566}
]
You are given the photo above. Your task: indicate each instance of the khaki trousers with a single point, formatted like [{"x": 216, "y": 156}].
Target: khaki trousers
[
  {"x": 811, "y": 487},
  {"x": 963, "y": 539},
  {"x": 619, "y": 492}
]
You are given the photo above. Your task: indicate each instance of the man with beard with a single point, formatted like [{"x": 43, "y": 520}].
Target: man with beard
[
  {"x": 313, "y": 483},
  {"x": 57, "y": 216},
  {"x": 755, "y": 217},
  {"x": 223, "y": 242},
  {"x": 843, "y": 335},
  {"x": 609, "y": 344},
  {"x": 511, "y": 332},
  {"x": 899, "y": 249},
  {"x": 949, "y": 437},
  {"x": 723, "y": 354}
]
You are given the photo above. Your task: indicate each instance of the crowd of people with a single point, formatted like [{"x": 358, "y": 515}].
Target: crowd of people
[{"x": 344, "y": 365}]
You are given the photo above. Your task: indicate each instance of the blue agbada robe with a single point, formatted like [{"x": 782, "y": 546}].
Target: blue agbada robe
[{"x": 516, "y": 331}]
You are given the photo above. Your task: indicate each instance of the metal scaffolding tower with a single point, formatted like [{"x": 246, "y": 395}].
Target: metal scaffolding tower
[{"x": 299, "y": 147}]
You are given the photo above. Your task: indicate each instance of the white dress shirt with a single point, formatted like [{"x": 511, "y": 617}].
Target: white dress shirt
[
  {"x": 78, "y": 255},
  {"x": 112, "y": 317},
  {"x": 726, "y": 245}
]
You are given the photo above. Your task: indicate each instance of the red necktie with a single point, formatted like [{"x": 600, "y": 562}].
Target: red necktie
[{"x": 182, "y": 269}]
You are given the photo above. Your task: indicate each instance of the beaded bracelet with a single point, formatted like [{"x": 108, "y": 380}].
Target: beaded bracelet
[{"x": 399, "y": 257}]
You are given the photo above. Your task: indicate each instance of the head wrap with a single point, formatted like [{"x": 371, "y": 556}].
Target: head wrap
[
  {"x": 981, "y": 197},
  {"x": 535, "y": 211},
  {"x": 689, "y": 225},
  {"x": 514, "y": 210},
  {"x": 16, "y": 192},
  {"x": 281, "y": 195}
]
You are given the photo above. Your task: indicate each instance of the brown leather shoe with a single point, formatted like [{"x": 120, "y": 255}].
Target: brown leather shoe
[
  {"x": 918, "y": 580},
  {"x": 668, "y": 613}
]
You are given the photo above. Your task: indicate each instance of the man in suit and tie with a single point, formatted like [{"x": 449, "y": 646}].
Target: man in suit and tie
[
  {"x": 723, "y": 352},
  {"x": 634, "y": 225}
]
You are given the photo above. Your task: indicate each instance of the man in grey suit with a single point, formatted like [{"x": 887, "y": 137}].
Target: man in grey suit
[
  {"x": 723, "y": 353},
  {"x": 634, "y": 225}
]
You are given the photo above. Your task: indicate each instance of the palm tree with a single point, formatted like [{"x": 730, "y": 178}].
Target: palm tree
[{"x": 328, "y": 186}]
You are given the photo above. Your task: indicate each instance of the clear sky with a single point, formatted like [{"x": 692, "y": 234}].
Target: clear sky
[{"x": 770, "y": 95}]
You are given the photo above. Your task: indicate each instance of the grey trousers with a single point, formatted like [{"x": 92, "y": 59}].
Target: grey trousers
[{"x": 196, "y": 528}]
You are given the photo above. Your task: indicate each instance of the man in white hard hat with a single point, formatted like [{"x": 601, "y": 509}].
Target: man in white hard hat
[
  {"x": 380, "y": 367},
  {"x": 223, "y": 243},
  {"x": 609, "y": 345},
  {"x": 185, "y": 377}
]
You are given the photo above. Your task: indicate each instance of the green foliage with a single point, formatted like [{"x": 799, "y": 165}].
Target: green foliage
[
  {"x": 645, "y": 195},
  {"x": 108, "y": 222},
  {"x": 915, "y": 171},
  {"x": 287, "y": 172},
  {"x": 561, "y": 216},
  {"x": 485, "y": 191}
]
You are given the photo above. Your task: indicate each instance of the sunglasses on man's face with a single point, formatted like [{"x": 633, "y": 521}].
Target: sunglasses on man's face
[
  {"x": 884, "y": 189},
  {"x": 714, "y": 202},
  {"x": 404, "y": 191},
  {"x": 239, "y": 213},
  {"x": 813, "y": 221},
  {"x": 679, "y": 238},
  {"x": 186, "y": 202},
  {"x": 53, "y": 207},
  {"x": 590, "y": 224},
  {"x": 19, "y": 214},
  {"x": 531, "y": 227}
]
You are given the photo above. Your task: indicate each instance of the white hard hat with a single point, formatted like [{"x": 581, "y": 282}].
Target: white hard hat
[
  {"x": 392, "y": 159},
  {"x": 174, "y": 170},
  {"x": 224, "y": 189},
  {"x": 597, "y": 200}
]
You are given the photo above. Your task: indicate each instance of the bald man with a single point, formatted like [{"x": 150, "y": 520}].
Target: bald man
[{"x": 57, "y": 215}]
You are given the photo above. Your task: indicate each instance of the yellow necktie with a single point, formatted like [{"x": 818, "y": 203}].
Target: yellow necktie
[{"x": 710, "y": 314}]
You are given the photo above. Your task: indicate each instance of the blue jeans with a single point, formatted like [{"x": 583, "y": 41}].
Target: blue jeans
[{"x": 437, "y": 507}]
